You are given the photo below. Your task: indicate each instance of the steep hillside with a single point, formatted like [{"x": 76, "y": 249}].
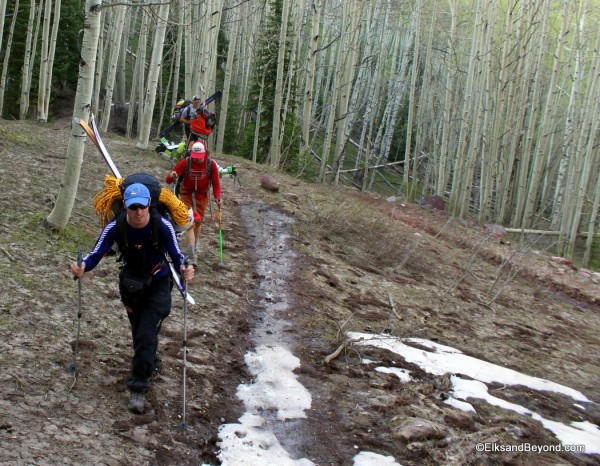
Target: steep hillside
[{"x": 304, "y": 265}]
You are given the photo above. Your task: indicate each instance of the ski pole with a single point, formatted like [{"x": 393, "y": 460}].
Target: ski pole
[
  {"x": 212, "y": 215},
  {"x": 184, "y": 286},
  {"x": 73, "y": 366},
  {"x": 220, "y": 235}
]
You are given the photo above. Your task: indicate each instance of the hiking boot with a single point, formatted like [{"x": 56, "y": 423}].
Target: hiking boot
[{"x": 136, "y": 402}]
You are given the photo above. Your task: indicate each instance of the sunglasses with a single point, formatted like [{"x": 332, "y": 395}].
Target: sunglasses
[{"x": 137, "y": 207}]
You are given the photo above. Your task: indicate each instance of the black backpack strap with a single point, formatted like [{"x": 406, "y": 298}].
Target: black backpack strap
[
  {"x": 122, "y": 237},
  {"x": 156, "y": 220}
]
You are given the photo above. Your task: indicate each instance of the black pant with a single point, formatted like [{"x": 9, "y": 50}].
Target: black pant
[{"x": 146, "y": 315}]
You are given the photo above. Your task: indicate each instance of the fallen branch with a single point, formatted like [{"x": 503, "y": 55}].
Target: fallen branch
[
  {"x": 393, "y": 307},
  {"x": 341, "y": 348},
  {"x": 8, "y": 254}
]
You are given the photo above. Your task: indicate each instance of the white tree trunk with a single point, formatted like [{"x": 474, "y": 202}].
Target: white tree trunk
[
  {"x": 153, "y": 76},
  {"x": 118, "y": 19},
  {"x": 7, "y": 56},
  {"x": 235, "y": 25},
  {"x": 43, "y": 77},
  {"x": 27, "y": 63},
  {"x": 51, "y": 53},
  {"x": 275, "y": 149},
  {"x": 2, "y": 15},
  {"x": 59, "y": 217},
  {"x": 307, "y": 100}
]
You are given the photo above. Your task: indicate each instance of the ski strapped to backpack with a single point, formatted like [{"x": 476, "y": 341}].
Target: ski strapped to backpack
[
  {"x": 178, "y": 108},
  {"x": 105, "y": 199}
]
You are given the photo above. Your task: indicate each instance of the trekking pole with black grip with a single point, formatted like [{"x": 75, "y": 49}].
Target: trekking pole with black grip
[
  {"x": 73, "y": 366},
  {"x": 183, "y": 424}
]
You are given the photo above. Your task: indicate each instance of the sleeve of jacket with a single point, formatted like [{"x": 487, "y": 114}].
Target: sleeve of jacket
[
  {"x": 215, "y": 179},
  {"x": 103, "y": 244},
  {"x": 179, "y": 169},
  {"x": 171, "y": 245}
]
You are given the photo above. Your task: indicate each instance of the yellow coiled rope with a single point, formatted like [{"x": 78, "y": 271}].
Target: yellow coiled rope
[
  {"x": 104, "y": 202},
  {"x": 179, "y": 211}
]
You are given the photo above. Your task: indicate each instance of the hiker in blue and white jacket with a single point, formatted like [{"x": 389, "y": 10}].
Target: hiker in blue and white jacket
[{"x": 145, "y": 282}]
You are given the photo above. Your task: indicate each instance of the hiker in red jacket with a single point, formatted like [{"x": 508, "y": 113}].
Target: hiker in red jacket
[{"x": 196, "y": 173}]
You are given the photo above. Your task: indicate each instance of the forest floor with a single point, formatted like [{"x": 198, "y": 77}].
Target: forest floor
[{"x": 357, "y": 262}]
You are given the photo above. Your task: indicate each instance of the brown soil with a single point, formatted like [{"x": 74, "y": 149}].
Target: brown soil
[{"x": 360, "y": 264}]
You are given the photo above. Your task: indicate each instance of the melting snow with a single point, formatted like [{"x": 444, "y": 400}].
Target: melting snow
[{"x": 440, "y": 359}]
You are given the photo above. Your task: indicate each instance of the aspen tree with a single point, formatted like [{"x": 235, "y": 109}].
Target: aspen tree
[
  {"x": 2, "y": 15},
  {"x": 51, "y": 53},
  {"x": 137, "y": 82},
  {"x": 563, "y": 201},
  {"x": 27, "y": 62},
  {"x": 234, "y": 20},
  {"x": 486, "y": 164},
  {"x": 350, "y": 56},
  {"x": 530, "y": 129},
  {"x": 583, "y": 158},
  {"x": 178, "y": 52},
  {"x": 544, "y": 144},
  {"x": 442, "y": 171},
  {"x": 278, "y": 125},
  {"x": 120, "y": 92},
  {"x": 309, "y": 80},
  {"x": 7, "y": 56},
  {"x": 44, "y": 57},
  {"x": 458, "y": 179},
  {"x": 479, "y": 99},
  {"x": 374, "y": 90},
  {"x": 412, "y": 101},
  {"x": 153, "y": 74},
  {"x": 331, "y": 112},
  {"x": 425, "y": 110},
  {"x": 113, "y": 61},
  {"x": 65, "y": 199},
  {"x": 96, "y": 109}
]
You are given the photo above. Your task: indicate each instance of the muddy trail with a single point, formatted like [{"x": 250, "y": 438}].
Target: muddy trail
[{"x": 301, "y": 268}]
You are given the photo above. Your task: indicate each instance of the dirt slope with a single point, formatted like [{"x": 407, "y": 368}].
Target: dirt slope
[{"x": 360, "y": 264}]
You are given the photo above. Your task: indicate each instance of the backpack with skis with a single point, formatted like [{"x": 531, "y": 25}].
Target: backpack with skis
[
  {"x": 178, "y": 108},
  {"x": 109, "y": 201}
]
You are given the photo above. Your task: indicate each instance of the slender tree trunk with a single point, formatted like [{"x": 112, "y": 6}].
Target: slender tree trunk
[
  {"x": 153, "y": 75},
  {"x": 51, "y": 53},
  {"x": 96, "y": 107},
  {"x": 7, "y": 56},
  {"x": 178, "y": 48},
  {"x": 275, "y": 149},
  {"x": 113, "y": 61},
  {"x": 139, "y": 74},
  {"x": 316, "y": 9},
  {"x": 59, "y": 217},
  {"x": 44, "y": 52},
  {"x": 235, "y": 25},
  {"x": 258, "y": 113},
  {"x": 412, "y": 102},
  {"x": 344, "y": 122},
  {"x": 2, "y": 15},
  {"x": 27, "y": 68}
]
